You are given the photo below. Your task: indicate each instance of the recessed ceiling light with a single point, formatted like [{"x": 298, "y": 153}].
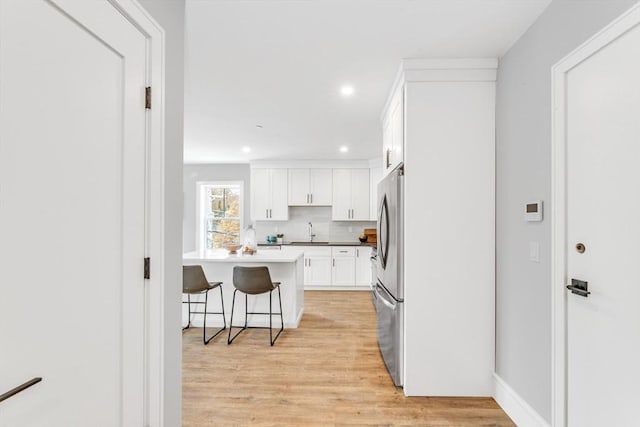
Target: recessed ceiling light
[
  {"x": 246, "y": 149},
  {"x": 344, "y": 149},
  {"x": 347, "y": 90}
]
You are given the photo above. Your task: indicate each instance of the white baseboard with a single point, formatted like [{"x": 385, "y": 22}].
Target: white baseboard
[{"x": 520, "y": 412}]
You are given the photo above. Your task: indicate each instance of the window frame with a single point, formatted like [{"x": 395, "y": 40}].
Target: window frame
[{"x": 201, "y": 187}]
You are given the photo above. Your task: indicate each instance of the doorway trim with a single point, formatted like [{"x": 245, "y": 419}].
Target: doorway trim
[
  {"x": 559, "y": 71},
  {"x": 154, "y": 309}
]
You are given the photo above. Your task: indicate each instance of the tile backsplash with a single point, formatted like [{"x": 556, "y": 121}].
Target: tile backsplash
[{"x": 326, "y": 230}]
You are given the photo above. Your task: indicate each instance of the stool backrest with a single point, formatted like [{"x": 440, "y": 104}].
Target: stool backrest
[
  {"x": 252, "y": 280},
  {"x": 193, "y": 279}
]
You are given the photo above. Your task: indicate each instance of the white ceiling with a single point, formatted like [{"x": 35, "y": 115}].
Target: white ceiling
[{"x": 281, "y": 63}]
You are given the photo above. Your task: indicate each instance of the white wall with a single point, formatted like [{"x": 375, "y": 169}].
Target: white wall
[
  {"x": 170, "y": 15},
  {"x": 523, "y": 330},
  {"x": 216, "y": 172}
]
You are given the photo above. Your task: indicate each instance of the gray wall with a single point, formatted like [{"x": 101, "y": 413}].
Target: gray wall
[
  {"x": 217, "y": 172},
  {"x": 170, "y": 15},
  {"x": 523, "y": 335}
]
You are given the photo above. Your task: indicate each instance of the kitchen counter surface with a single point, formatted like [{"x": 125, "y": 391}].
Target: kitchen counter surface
[
  {"x": 258, "y": 257},
  {"x": 286, "y": 243}
]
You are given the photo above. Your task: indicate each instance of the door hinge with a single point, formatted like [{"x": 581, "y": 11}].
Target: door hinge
[
  {"x": 147, "y": 97},
  {"x": 147, "y": 268}
]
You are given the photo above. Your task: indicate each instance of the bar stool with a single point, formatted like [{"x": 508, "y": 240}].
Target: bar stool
[
  {"x": 255, "y": 281},
  {"x": 194, "y": 282}
]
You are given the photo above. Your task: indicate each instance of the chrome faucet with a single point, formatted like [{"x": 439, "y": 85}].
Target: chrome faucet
[{"x": 311, "y": 235}]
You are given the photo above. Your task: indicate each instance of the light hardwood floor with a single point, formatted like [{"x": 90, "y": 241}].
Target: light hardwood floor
[{"x": 327, "y": 372}]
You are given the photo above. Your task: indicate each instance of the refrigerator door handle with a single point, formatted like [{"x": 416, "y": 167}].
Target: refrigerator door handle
[{"x": 383, "y": 299}]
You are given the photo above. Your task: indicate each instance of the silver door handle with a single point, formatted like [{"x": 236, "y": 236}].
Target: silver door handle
[{"x": 383, "y": 299}]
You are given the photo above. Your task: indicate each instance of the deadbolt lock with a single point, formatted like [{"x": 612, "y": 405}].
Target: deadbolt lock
[{"x": 580, "y": 248}]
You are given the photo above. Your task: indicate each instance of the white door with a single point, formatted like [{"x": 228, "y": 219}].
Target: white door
[
  {"x": 279, "y": 209},
  {"x": 341, "y": 206},
  {"x": 260, "y": 194},
  {"x": 603, "y": 202},
  {"x": 299, "y": 193},
  {"x": 321, "y": 186},
  {"x": 72, "y": 214},
  {"x": 360, "y": 208}
]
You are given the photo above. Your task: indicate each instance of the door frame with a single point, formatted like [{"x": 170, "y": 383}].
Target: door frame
[
  {"x": 559, "y": 72},
  {"x": 154, "y": 393}
]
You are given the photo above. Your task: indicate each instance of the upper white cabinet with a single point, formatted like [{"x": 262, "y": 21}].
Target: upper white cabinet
[
  {"x": 269, "y": 195},
  {"x": 310, "y": 187},
  {"x": 393, "y": 131},
  {"x": 351, "y": 195},
  {"x": 375, "y": 175}
]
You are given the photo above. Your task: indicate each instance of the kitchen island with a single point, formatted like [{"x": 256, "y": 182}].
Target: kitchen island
[{"x": 285, "y": 267}]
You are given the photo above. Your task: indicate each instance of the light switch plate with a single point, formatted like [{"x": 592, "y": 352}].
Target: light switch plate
[{"x": 534, "y": 251}]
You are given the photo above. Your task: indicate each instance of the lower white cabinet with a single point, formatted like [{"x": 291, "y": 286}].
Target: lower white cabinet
[
  {"x": 317, "y": 266},
  {"x": 343, "y": 262},
  {"x": 336, "y": 266},
  {"x": 363, "y": 266},
  {"x": 317, "y": 271}
]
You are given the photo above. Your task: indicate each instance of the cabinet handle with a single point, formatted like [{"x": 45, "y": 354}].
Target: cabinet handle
[
  {"x": 358, "y": 253},
  {"x": 307, "y": 198},
  {"x": 334, "y": 262},
  {"x": 387, "y": 161},
  {"x": 311, "y": 195},
  {"x": 270, "y": 214},
  {"x": 266, "y": 213},
  {"x": 309, "y": 262}
]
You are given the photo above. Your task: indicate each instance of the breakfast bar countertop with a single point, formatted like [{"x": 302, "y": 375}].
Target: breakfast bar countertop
[{"x": 260, "y": 256}]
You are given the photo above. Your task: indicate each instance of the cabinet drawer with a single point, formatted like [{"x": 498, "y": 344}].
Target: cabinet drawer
[
  {"x": 340, "y": 251},
  {"x": 315, "y": 251}
]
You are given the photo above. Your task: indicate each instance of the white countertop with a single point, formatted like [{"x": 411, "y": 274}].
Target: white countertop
[{"x": 259, "y": 257}]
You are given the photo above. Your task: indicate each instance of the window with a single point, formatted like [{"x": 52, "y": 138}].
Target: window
[{"x": 220, "y": 214}]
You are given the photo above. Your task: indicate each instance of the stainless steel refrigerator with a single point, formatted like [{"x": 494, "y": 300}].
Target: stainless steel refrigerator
[{"x": 389, "y": 288}]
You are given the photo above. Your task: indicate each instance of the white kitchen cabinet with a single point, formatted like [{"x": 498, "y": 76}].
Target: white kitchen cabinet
[
  {"x": 310, "y": 187},
  {"x": 343, "y": 267},
  {"x": 351, "y": 195},
  {"x": 317, "y": 271},
  {"x": 449, "y": 162},
  {"x": 317, "y": 266},
  {"x": 393, "y": 132},
  {"x": 363, "y": 266},
  {"x": 269, "y": 195},
  {"x": 375, "y": 175}
]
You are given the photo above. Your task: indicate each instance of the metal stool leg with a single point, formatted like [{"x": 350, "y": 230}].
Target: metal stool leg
[
  {"x": 273, "y": 341},
  {"x": 206, "y": 340},
  {"x": 233, "y": 303},
  {"x": 189, "y": 318}
]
